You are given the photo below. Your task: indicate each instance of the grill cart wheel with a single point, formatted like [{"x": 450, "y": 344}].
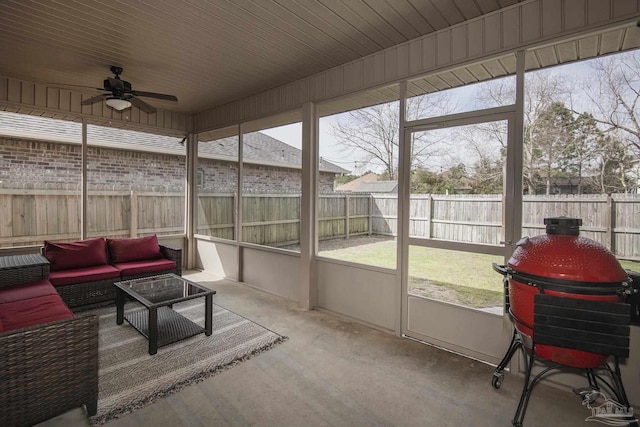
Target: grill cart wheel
[{"x": 496, "y": 382}]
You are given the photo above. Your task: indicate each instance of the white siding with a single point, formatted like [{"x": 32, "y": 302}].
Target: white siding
[{"x": 515, "y": 27}]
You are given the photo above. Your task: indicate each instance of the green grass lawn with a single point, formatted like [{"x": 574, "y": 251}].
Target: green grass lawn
[{"x": 459, "y": 277}]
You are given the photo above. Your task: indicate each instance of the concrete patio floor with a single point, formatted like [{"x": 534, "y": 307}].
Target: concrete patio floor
[{"x": 333, "y": 372}]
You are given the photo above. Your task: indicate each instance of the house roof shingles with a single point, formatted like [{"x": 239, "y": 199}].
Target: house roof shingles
[{"x": 259, "y": 148}]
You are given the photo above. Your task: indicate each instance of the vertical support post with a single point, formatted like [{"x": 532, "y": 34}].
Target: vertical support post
[
  {"x": 512, "y": 208},
  {"x": 238, "y": 206},
  {"x": 347, "y": 213},
  {"x": 84, "y": 196},
  {"x": 308, "y": 207},
  {"x": 191, "y": 198},
  {"x": 402, "y": 231},
  {"x": 133, "y": 221},
  {"x": 512, "y": 192}
]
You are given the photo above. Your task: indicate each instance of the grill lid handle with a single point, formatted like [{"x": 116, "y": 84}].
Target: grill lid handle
[{"x": 563, "y": 225}]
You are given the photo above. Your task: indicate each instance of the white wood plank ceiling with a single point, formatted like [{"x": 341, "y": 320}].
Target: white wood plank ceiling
[{"x": 208, "y": 53}]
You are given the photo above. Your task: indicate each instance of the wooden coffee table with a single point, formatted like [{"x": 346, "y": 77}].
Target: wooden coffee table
[{"x": 157, "y": 321}]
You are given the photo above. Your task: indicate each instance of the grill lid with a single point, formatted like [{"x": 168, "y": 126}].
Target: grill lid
[{"x": 562, "y": 255}]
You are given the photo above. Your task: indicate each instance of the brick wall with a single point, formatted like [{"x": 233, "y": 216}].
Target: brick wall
[{"x": 40, "y": 164}]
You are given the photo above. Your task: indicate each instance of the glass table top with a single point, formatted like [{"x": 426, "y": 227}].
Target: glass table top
[{"x": 163, "y": 289}]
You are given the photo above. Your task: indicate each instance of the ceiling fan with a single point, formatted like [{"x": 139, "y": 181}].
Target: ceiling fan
[{"x": 120, "y": 96}]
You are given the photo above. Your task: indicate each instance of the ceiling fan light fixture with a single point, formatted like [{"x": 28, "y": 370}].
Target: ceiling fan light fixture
[{"x": 118, "y": 104}]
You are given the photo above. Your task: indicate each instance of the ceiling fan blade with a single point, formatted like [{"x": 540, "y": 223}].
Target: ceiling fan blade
[
  {"x": 95, "y": 99},
  {"x": 68, "y": 86},
  {"x": 142, "y": 105},
  {"x": 154, "y": 95}
]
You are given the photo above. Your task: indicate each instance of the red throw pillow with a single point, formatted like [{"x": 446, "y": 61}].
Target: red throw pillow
[
  {"x": 134, "y": 249},
  {"x": 72, "y": 255}
]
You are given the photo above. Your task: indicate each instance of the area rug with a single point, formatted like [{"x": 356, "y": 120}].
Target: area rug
[{"x": 129, "y": 378}]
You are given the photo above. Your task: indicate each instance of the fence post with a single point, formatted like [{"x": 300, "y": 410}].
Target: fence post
[
  {"x": 347, "y": 213},
  {"x": 429, "y": 210},
  {"x": 611, "y": 219},
  {"x": 370, "y": 225},
  {"x": 133, "y": 203}
]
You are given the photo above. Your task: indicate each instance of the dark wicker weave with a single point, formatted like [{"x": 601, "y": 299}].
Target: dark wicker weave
[
  {"x": 20, "y": 269},
  {"x": 89, "y": 294},
  {"x": 48, "y": 369},
  {"x": 174, "y": 255}
]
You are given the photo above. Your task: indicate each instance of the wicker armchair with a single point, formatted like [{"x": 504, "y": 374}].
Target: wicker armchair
[{"x": 48, "y": 369}]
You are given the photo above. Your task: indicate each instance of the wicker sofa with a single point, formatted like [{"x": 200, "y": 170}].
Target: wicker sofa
[
  {"x": 48, "y": 355},
  {"x": 83, "y": 272}
]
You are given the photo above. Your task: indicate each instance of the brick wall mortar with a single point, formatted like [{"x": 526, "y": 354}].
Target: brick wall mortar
[{"x": 29, "y": 164}]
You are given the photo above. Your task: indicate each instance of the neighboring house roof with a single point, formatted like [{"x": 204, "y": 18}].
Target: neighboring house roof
[
  {"x": 351, "y": 185},
  {"x": 258, "y": 147},
  {"x": 377, "y": 187}
]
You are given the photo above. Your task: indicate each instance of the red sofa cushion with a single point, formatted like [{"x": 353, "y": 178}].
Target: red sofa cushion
[
  {"x": 72, "y": 255},
  {"x": 26, "y": 291},
  {"x": 33, "y": 311},
  {"x": 144, "y": 267},
  {"x": 83, "y": 275},
  {"x": 134, "y": 249}
]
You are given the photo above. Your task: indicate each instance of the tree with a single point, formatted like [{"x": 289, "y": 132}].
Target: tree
[
  {"x": 616, "y": 95},
  {"x": 372, "y": 133},
  {"x": 613, "y": 164},
  {"x": 425, "y": 181},
  {"x": 583, "y": 148},
  {"x": 542, "y": 89},
  {"x": 552, "y": 136}
]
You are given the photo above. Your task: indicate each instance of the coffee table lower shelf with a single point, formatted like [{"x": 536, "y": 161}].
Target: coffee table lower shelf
[{"x": 172, "y": 326}]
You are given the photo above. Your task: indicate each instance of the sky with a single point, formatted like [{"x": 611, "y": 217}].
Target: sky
[{"x": 331, "y": 150}]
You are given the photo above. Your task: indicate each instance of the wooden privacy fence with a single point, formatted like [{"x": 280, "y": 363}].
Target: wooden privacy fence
[
  {"x": 274, "y": 219},
  {"x": 28, "y": 217}
]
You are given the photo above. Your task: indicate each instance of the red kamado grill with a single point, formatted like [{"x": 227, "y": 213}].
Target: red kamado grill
[
  {"x": 558, "y": 284},
  {"x": 564, "y": 264}
]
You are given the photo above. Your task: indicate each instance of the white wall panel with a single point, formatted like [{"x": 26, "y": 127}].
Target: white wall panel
[
  {"x": 530, "y": 22},
  {"x": 19, "y": 95},
  {"x": 588, "y": 47},
  {"x": 597, "y": 11},
  {"x": 575, "y": 13},
  {"x": 611, "y": 41},
  {"x": 276, "y": 273},
  {"x": 217, "y": 258},
  {"x": 493, "y": 33},
  {"x": 429, "y": 51},
  {"x": 443, "y": 47},
  {"x": 402, "y": 63},
  {"x": 459, "y": 49},
  {"x": 551, "y": 17},
  {"x": 415, "y": 56},
  {"x": 475, "y": 36},
  {"x": 358, "y": 292},
  {"x": 334, "y": 81},
  {"x": 390, "y": 62},
  {"x": 625, "y": 7},
  {"x": 511, "y": 28},
  {"x": 425, "y": 319},
  {"x": 14, "y": 91}
]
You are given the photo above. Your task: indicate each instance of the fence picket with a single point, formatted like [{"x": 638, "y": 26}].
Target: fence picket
[{"x": 29, "y": 217}]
